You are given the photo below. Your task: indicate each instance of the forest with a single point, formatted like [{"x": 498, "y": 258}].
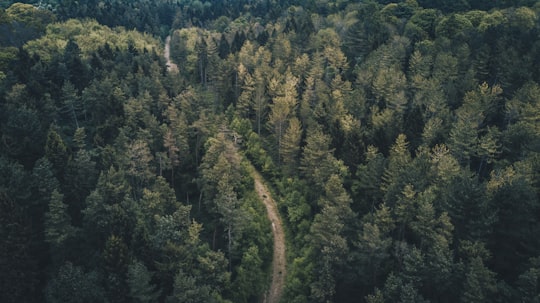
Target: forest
[{"x": 400, "y": 141}]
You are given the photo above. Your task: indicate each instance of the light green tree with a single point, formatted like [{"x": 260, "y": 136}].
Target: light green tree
[{"x": 291, "y": 146}]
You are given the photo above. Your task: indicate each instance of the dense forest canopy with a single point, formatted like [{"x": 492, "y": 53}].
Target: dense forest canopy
[{"x": 400, "y": 139}]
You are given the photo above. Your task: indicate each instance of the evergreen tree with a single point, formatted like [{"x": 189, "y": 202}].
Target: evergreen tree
[
  {"x": 282, "y": 110},
  {"x": 18, "y": 255},
  {"x": 71, "y": 284},
  {"x": 56, "y": 152},
  {"x": 58, "y": 228},
  {"x": 317, "y": 163},
  {"x": 291, "y": 146},
  {"x": 139, "y": 281}
]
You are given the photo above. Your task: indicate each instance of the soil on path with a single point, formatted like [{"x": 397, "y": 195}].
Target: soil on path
[
  {"x": 279, "y": 258},
  {"x": 171, "y": 67}
]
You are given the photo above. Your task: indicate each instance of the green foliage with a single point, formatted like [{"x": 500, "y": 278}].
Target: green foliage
[
  {"x": 89, "y": 36},
  {"x": 56, "y": 151},
  {"x": 402, "y": 141},
  {"x": 528, "y": 281},
  {"x": 258, "y": 154},
  {"x": 58, "y": 227},
  {"x": 479, "y": 284},
  {"x": 318, "y": 163},
  {"x": 22, "y": 22},
  {"x": 72, "y": 284},
  {"x": 249, "y": 282},
  {"x": 139, "y": 281},
  {"x": 187, "y": 290},
  {"x": 17, "y": 259},
  {"x": 506, "y": 186}
]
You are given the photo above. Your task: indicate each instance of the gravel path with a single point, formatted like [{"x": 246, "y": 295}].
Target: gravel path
[
  {"x": 171, "y": 67},
  {"x": 279, "y": 261}
]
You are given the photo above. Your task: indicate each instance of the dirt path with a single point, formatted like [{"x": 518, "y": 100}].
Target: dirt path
[
  {"x": 171, "y": 67},
  {"x": 279, "y": 259}
]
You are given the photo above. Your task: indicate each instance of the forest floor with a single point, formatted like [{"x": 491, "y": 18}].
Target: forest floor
[
  {"x": 171, "y": 67},
  {"x": 279, "y": 259}
]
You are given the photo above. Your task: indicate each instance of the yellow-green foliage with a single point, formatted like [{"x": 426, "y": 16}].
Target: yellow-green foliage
[
  {"x": 89, "y": 35},
  {"x": 29, "y": 15},
  {"x": 21, "y": 12},
  {"x": 6, "y": 55},
  {"x": 188, "y": 38}
]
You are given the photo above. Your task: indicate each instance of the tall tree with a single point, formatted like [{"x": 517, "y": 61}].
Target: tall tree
[
  {"x": 328, "y": 237},
  {"x": 372, "y": 247},
  {"x": 18, "y": 261},
  {"x": 81, "y": 176},
  {"x": 139, "y": 167},
  {"x": 479, "y": 283},
  {"x": 516, "y": 203},
  {"x": 221, "y": 173},
  {"x": 58, "y": 228},
  {"x": 56, "y": 151},
  {"x": 140, "y": 285},
  {"x": 249, "y": 282},
  {"x": 282, "y": 110},
  {"x": 175, "y": 139},
  {"x": 291, "y": 146},
  {"x": 399, "y": 162},
  {"x": 71, "y": 103},
  {"x": 115, "y": 257},
  {"x": 366, "y": 187},
  {"x": 318, "y": 163},
  {"x": 71, "y": 284}
]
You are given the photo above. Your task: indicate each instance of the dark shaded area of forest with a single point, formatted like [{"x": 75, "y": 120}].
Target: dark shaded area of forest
[{"x": 401, "y": 141}]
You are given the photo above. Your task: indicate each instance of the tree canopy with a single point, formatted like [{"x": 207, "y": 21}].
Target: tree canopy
[{"x": 400, "y": 140}]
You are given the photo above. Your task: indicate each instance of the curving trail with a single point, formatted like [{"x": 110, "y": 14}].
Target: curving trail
[
  {"x": 171, "y": 67},
  {"x": 279, "y": 261}
]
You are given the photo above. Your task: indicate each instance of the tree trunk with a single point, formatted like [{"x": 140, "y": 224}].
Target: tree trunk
[{"x": 229, "y": 244}]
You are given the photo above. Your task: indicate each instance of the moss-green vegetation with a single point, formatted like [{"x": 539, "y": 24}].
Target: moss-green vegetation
[{"x": 402, "y": 140}]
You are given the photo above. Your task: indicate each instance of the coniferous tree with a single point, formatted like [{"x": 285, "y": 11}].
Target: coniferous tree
[
  {"x": 71, "y": 284},
  {"x": 106, "y": 157},
  {"x": 139, "y": 282},
  {"x": 58, "y": 228},
  {"x": 291, "y": 146}
]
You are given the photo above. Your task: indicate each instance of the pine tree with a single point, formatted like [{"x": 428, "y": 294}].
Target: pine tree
[
  {"x": 139, "y": 166},
  {"x": 527, "y": 283},
  {"x": 399, "y": 164},
  {"x": 373, "y": 245},
  {"x": 479, "y": 284},
  {"x": 56, "y": 152},
  {"x": 18, "y": 260},
  {"x": 115, "y": 257},
  {"x": 187, "y": 289},
  {"x": 71, "y": 284},
  {"x": 58, "y": 228},
  {"x": 291, "y": 146},
  {"x": 282, "y": 110},
  {"x": 139, "y": 280},
  {"x": 71, "y": 102},
  {"x": 260, "y": 103},
  {"x": 249, "y": 282},
  {"x": 328, "y": 237},
  {"x": 512, "y": 241},
  {"x": 318, "y": 163},
  {"x": 366, "y": 188}
]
